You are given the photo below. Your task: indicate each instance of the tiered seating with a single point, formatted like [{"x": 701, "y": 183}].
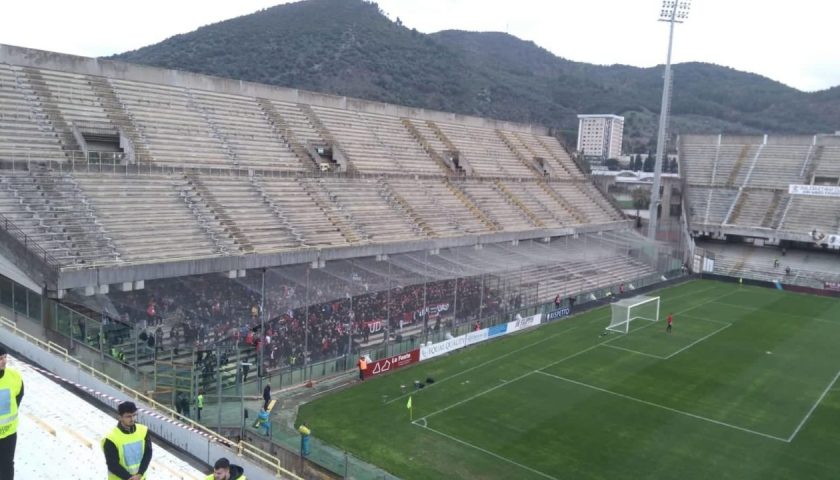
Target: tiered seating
[
  {"x": 497, "y": 206},
  {"x": 699, "y": 170},
  {"x": 752, "y": 208},
  {"x": 807, "y": 267},
  {"x": 445, "y": 214},
  {"x": 485, "y": 151},
  {"x": 298, "y": 123},
  {"x": 778, "y": 166},
  {"x": 177, "y": 134},
  {"x": 807, "y": 213},
  {"x": 146, "y": 217},
  {"x": 242, "y": 211},
  {"x": 587, "y": 200},
  {"x": 25, "y": 133},
  {"x": 367, "y": 209},
  {"x": 243, "y": 126},
  {"x": 404, "y": 149},
  {"x": 301, "y": 210},
  {"x": 51, "y": 211},
  {"x": 551, "y": 212},
  {"x": 550, "y": 150},
  {"x": 74, "y": 97},
  {"x": 827, "y": 160},
  {"x": 574, "y": 277}
]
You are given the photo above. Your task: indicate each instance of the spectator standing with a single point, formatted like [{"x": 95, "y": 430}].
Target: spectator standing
[
  {"x": 305, "y": 433},
  {"x": 362, "y": 364},
  {"x": 266, "y": 395}
]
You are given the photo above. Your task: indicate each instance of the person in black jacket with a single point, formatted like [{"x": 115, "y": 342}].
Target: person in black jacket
[
  {"x": 223, "y": 470},
  {"x": 135, "y": 442}
]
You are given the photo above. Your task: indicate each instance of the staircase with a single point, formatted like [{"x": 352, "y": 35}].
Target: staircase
[
  {"x": 555, "y": 157},
  {"x": 493, "y": 226},
  {"x": 815, "y": 163},
  {"x": 743, "y": 198},
  {"x": 346, "y": 230},
  {"x": 214, "y": 129},
  {"x": 50, "y": 108},
  {"x": 282, "y": 129},
  {"x": 277, "y": 211},
  {"x": 529, "y": 164},
  {"x": 772, "y": 211},
  {"x": 226, "y": 221},
  {"x": 392, "y": 197},
  {"x": 206, "y": 218},
  {"x": 324, "y": 133},
  {"x": 512, "y": 199},
  {"x": 579, "y": 216},
  {"x": 739, "y": 164},
  {"x": 445, "y": 167},
  {"x": 118, "y": 115}
]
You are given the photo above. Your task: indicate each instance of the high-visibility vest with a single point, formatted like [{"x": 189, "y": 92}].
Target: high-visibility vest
[
  {"x": 362, "y": 364},
  {"x": 10, "y": 386},
  {"x": 213, "y": 477},
  {"x": 199, "y": 401},
  {"x": 130, "y": 447},
  {"x": 304, "y": 430}
]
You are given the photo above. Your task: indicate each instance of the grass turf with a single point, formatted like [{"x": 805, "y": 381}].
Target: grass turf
[{"x": 743, "y": 388}]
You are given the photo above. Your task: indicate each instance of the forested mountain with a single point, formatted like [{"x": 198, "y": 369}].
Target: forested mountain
[{"x": 348, "y": 47}]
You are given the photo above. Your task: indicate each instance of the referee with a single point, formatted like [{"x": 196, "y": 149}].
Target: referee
[{"x": 11, "y": 393}]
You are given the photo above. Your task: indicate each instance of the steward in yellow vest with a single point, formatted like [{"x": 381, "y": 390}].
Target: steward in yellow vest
[
  {"x": 128, "y": 447},
  {"x": 223, "y": 470},
  {"x": 11, "y": 394}
]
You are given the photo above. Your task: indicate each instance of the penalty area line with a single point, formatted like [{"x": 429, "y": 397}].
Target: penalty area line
[{"x": 484, "y": 450}]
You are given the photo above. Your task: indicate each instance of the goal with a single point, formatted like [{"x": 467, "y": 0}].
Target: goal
[{"x": 629, "y": 309}]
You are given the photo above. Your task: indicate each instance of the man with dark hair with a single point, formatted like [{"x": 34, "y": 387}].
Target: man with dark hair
[
  {"x": 266, "y": 396},
  {"x": 128, "y": 447},
  {"x": 11, "y": 394},
  {"x": 223, "y": 470}
]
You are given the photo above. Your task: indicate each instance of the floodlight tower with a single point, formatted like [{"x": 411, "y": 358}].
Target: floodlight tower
[{"x": 673, "y": 11}]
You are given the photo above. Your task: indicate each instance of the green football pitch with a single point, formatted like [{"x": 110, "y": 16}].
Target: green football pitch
[{"x": 744, "y": 387}]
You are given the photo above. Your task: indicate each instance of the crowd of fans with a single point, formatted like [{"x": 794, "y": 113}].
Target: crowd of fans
[{"x": 344, "y": 313}]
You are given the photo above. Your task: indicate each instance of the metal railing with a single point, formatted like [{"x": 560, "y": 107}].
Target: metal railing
[{"x": 264, "y": 459}]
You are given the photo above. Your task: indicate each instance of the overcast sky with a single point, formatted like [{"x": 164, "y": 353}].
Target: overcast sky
[{"x": 792, "y": 42}]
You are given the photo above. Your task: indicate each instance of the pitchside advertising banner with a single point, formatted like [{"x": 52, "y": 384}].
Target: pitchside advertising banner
[
  {"x": 522, "y": 323},
  {"x": 559, "y": 313},
  {"x": 833, "y": 286},
  {"x": 392, "y": 363}
]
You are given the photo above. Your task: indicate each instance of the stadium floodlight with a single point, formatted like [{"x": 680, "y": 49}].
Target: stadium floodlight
[
  {"x": 673, "y": 11},
  {"x": 629, "y": 309}
]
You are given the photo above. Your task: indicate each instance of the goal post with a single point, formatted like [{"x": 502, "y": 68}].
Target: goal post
[{"x": 637, "y": 308}]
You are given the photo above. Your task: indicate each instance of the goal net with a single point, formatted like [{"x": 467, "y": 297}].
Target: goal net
[{"x": 629, "y": 309}]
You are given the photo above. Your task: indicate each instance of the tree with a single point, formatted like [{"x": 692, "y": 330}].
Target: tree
[
  {"x": 650, "y": 162},
  {"x": 641, "y": 199},
  {"x": 674, "y": 167},
  {"x": 612, "y": 164},
  {"x": 638, "y": 163}
]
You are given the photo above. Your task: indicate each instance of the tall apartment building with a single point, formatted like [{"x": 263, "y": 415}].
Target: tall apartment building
[{"x": 600, "y": 135}]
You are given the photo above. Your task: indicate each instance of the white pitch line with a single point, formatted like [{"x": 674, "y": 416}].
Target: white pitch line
[
  {"x": 674, "y": 410},
  {"x": 488, "y": 452},
  {"x": 562, "y": 359},
  {"x": 698, "y": 341},
  {"x": 813, "y": 407},
  {"x": 494, "y": 359}
]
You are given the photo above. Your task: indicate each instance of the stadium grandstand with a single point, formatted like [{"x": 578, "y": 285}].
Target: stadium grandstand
[
  {"x": 175, "y": 230},
  {"x": 764, "y": 207}
]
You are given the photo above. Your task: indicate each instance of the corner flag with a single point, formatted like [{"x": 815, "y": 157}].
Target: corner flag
[{"x": 408, "y": 406}]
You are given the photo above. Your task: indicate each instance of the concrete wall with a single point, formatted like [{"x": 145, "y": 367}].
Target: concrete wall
[{"x": 139, "y": 73}]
